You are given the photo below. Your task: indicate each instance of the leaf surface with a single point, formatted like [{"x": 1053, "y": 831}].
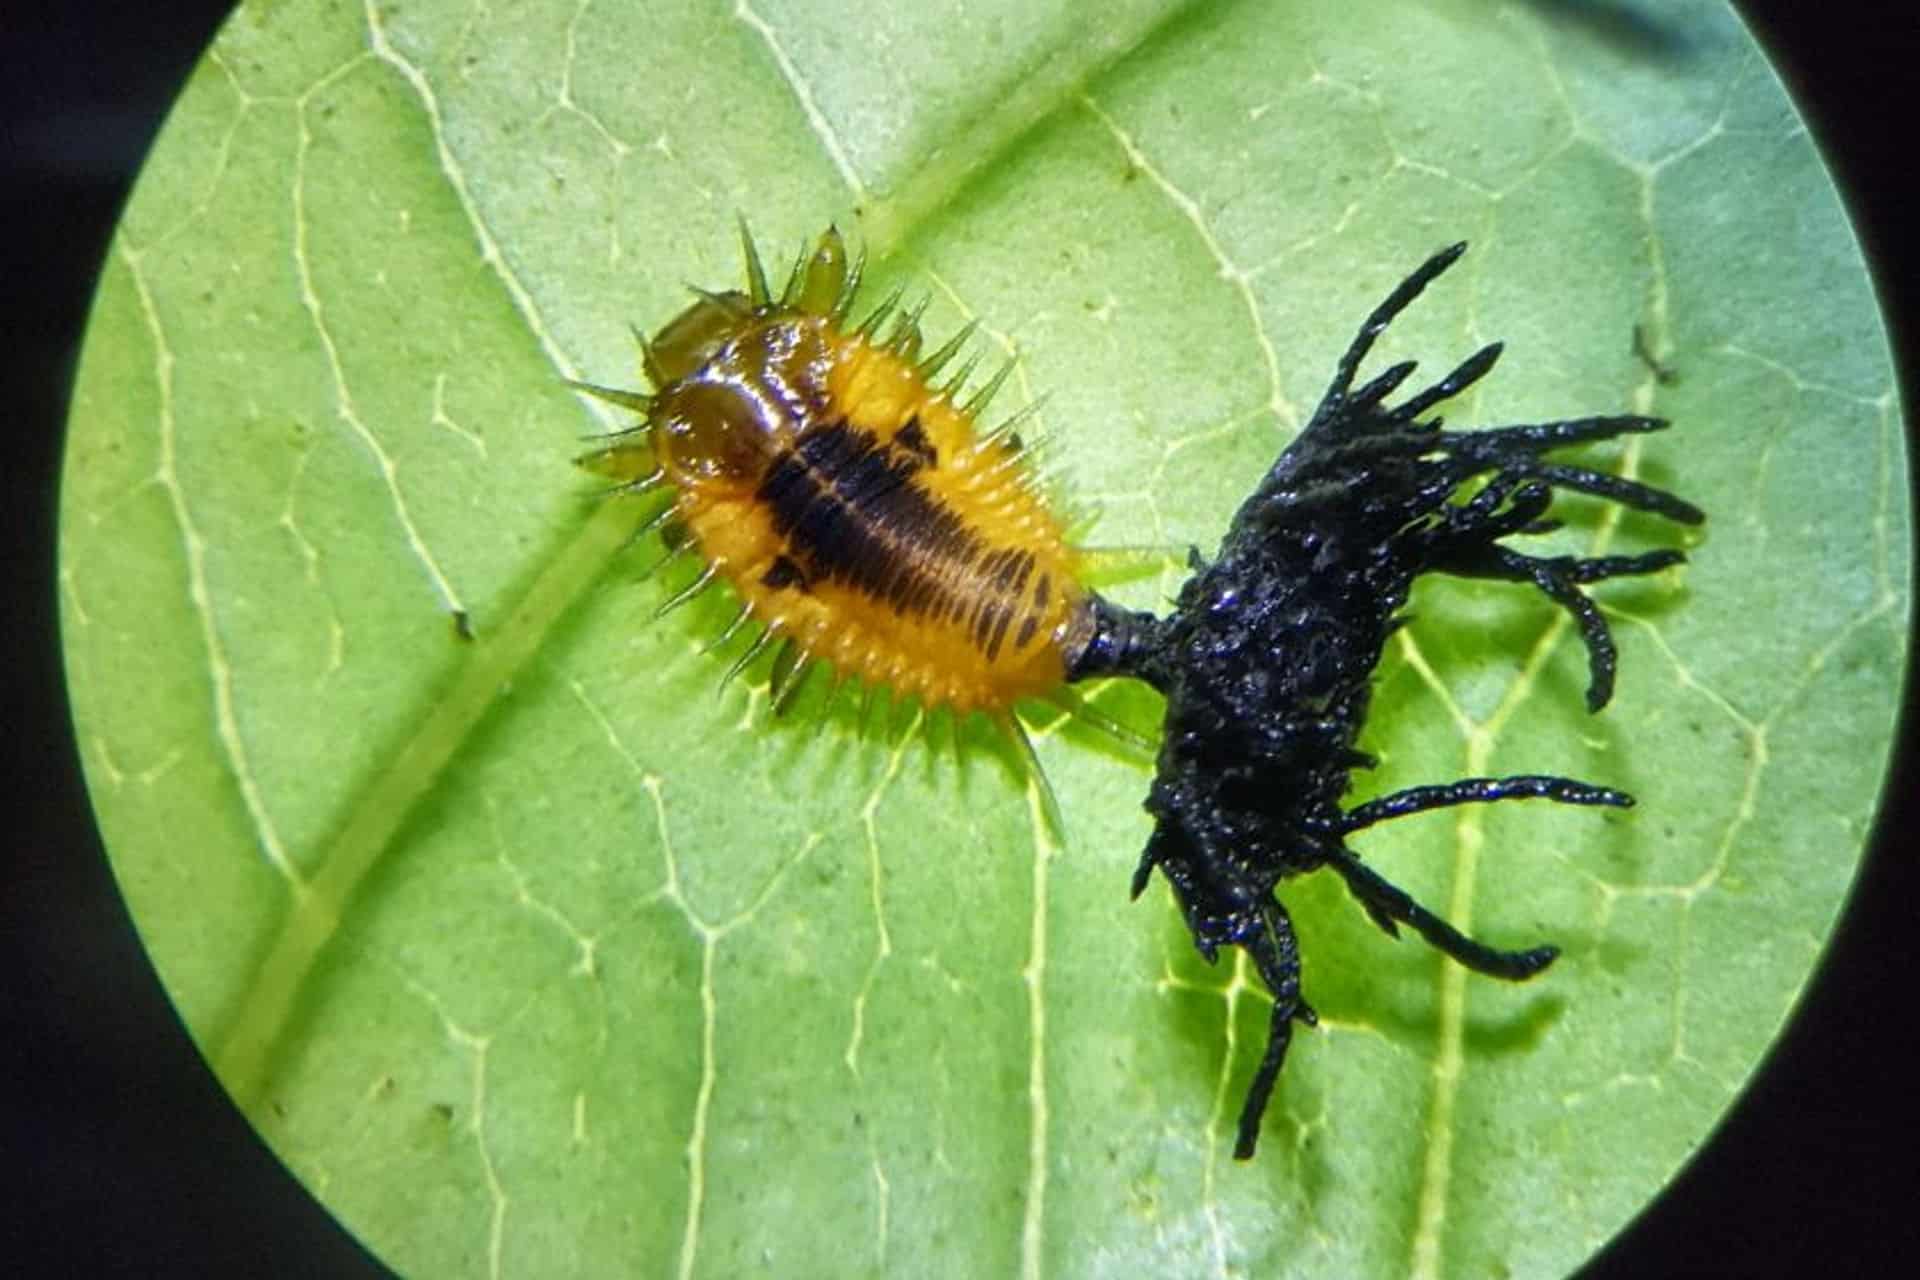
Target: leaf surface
[{"x": 531, "y": 953}]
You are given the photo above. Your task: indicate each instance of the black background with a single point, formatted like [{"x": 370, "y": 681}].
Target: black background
[{"x": 127, "y": 1158}]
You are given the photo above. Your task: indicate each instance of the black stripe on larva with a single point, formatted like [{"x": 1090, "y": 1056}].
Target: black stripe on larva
[
  {"x": 1017, "y": 581},
  {"x": 912, "y": 439},
  {"x": 783, "y": 573},
  {"x": 1006, "y": 573},
  {"x": 991, "y": 611},
  {"x": 1002, "y": 616},
  {"x": 991, "y": 605},
  {"x": 852, "y": 514}
]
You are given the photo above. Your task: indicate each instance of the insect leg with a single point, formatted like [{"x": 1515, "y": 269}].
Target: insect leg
[
  {"x": 1468, "y": 372},
  {"x": 1333, "y": 403},
  {"x": 1479, "y": 791},
  {"x": 1384, "y": 384},
  {"x": 1515, "y": 450},
  {"x": 1629, "y": 493},
  {"x": 1538, "y": 437},
  {"x": 1559, "y": 578},
  {"x": 1382, "y": 899},
  {"x": 1276, "y": 954},
  {"x": 1505, "y": 506}
]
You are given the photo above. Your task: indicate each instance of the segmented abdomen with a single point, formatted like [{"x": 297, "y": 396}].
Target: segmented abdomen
[{"x": 887, "y": 538}]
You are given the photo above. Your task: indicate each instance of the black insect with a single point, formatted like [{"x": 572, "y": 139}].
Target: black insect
[{"x": 1266, "y": 659}]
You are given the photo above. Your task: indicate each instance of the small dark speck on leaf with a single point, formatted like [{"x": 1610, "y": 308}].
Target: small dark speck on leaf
[{"x": 1664, "y": 374}]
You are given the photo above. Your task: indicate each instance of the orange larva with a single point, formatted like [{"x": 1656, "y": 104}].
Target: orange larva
[{"x": 854, "y": 506}]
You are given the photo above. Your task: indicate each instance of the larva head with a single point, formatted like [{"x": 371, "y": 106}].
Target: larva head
[
  {"x": 694, "y": 336},
  {"x": 730, "y": 373},
  {"x": 714, "y": 433}
]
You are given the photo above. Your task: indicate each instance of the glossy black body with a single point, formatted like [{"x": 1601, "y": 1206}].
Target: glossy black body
[{"x": 1267, "y": 660}]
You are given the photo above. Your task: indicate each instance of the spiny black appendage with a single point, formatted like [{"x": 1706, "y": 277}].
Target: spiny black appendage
[
  {"x": 1376, "y": 324},
  {"x": 1267, "y": 660}
]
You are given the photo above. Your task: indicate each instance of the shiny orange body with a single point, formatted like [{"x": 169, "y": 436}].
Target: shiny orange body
[{"x": 855, "y": 509}]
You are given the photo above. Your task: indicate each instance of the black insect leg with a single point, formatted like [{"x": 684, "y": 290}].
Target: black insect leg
[
  {"x": 1479, "y": 791},
  {"x": 1464, "y": 375},
  {"x": 1539, "y": 437},
  {"x": 1376, "y": 324},
  {"x": 1386, "y": 902},
  {"x": 1276, "y": 954},
  {"x": 1560, "y": 578},
  {"x": 1506, "y": 505},
  {"x": 1515, "y": 449},
  {"x": 1364, "y": 405},
  {"x": 1413, "y": 800},
  {"x": 1629, "y": 493}
]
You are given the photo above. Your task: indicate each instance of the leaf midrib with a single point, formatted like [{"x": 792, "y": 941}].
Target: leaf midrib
[{"x": 245, "y": 1051}]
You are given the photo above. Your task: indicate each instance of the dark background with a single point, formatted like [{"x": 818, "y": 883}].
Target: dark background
[{"x": 126, "y": 1156}]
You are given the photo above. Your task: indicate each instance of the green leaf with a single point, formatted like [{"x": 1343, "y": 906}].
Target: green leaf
[{"x": 530, "y": 952}]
